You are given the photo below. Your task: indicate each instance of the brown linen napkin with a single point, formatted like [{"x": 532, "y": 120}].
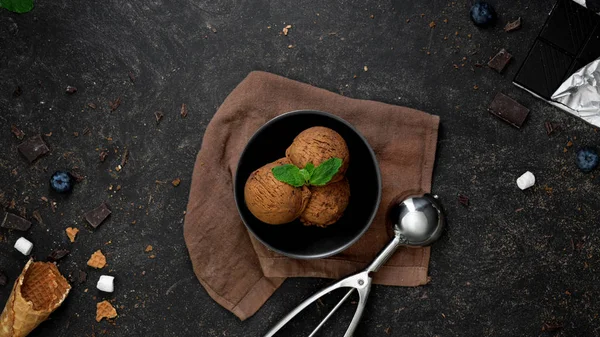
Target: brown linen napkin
[{"x": 238, "y": 271}]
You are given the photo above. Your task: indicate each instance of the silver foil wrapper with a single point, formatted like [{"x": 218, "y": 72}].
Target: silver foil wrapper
[{"x": 580, "y": 93}]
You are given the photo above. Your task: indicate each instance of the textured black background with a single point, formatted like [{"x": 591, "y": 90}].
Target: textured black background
[{"x": 496, "y": 272}]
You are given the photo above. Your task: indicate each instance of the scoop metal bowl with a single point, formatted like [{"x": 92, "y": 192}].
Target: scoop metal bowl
[{"x": 416, "y": 221}]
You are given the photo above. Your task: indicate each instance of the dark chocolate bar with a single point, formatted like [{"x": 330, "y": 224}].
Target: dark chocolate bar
[
  {"x": 96, "y": 216},
  {"x": 12, "y": 221},
  {"x": 33, "y": 148},
  {"x": 569, "y": 40},
  {"x": 508, "y": 110}
]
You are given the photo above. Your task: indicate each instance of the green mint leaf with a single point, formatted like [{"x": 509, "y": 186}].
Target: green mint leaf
[
  {"x": 289, "y": 174},
  {"x": 323, "y": 173},
  {"x": 310, "y": 168},
  {"x": 17, "y": 6},
  {"x": 305, "y": 174}
]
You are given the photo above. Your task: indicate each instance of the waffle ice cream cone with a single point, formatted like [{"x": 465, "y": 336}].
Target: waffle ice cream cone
[{"x": 38, "y": 291}]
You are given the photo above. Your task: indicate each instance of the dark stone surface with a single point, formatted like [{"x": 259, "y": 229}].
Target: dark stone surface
[{"x": 509, "y": 262}]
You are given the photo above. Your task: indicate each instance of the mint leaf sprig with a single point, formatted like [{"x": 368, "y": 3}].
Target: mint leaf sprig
[{"x": 309, "y": 175}]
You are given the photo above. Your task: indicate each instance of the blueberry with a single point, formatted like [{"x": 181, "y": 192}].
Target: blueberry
[
  {"x": 587, "y": 159},
  {"x": 483, "y": 14},
  {"x": 62, "y": 182}
]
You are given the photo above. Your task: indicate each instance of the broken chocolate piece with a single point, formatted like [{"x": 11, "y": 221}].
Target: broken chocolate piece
[
  {"x": 71, "y": 90},
  {"x": 3, "y": 279},
  {"x": 114, "y": 104},
  {"x": 17, "y": 132},
  {"x": 499, "y": 62},
  {"x": 13, "y": 221},
  {"x": 513, "y": 25},
  {"x": 463, "y": 200},
  {"x": 96, "y": 216},
  {"x": 33, "y": 148},
  {"x": 508, "y": 110},
  {"x": 57, "y": 255},
  {"x": 18, "y": 92}
]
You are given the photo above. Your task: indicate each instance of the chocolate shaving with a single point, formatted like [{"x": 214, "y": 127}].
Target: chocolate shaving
[
  {"x": 513, "y": 25},
  {"x": 33, "y": 148},
  {"x": 549, "y": 327},
  {"x": 96, "y": 216},
  {"x": 463, "y": 200},
  {"x": 57, "y": 255},
  {"x": 103, "y": 155},
  {"x": 13, "y": 221},
  {"x": 91, "y": 105},
  {"x": 551, "y": 127},
  {"x": 3, "y": 279},
  {"x": 71, "y": 90},
  {"x": 85, "y": 131},
  {"x": 37, "y": 216},
  {"x": 18, "y": 92},
  {"x": 124, "y": 157},
  {"x": 158, "y": 115},
  {"x": 499, "y": 62},
  {"x": 131, "y": 76},
  {"x": 184, "y": 111},
  {"x": 114, "y": 104},
  {"x": 78, "y": 176},
  {"x": 17, "y": 132}
]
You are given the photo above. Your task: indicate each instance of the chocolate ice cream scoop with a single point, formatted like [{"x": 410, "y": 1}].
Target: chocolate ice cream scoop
[
  {"x": 316, "y": 145},
  {"x": 272, "y": 201},
  {"x": 327, "y": 204}
]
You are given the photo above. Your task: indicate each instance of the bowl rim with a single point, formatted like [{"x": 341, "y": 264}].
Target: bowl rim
[{"x": 377, "y": 170}]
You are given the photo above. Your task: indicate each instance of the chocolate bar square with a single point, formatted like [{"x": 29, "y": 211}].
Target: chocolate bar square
[
  {"x": 545, "y": 68},
  {"x": 570, "y": 26}
]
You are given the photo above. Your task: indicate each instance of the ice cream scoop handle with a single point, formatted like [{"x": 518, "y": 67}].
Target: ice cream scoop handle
[
  {"x": 387, "y": 252},
  {"x": 337, "y": 306}
]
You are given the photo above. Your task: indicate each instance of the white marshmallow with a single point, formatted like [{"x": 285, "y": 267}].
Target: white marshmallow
[
  {"x": 24, "y": 246},
  {"x": 526, "y": 180},
  {"x": 106, "y": 283}
]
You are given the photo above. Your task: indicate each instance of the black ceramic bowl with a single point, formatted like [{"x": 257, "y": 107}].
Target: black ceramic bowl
[{"x": 294, "y": 239}]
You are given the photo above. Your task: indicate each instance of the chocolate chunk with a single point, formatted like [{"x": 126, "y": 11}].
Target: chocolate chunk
[
  {"x": 96, "y": 216},
  {"x": 131, "y": 77},
  {"x": 13, "y": 221},
  {"x": 33, "y": 148},
  {"x": 57, "y": 255},
  {"x": 499, "y": 62},
  {"x": 3, "y": 279},
  {"x": 184, "y": 110},
  {"x": 71, "y": 90},
  {"x": 18, "y": 92},
  {"x": 552, "y": 326},
  {"x": 17, "y": 132},
  {"x": 513, "y": 25},
  {"x": 508, "y": 110}
]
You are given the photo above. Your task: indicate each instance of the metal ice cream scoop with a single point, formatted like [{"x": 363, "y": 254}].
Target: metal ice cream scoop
[{"x": 416, "y": 221}]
